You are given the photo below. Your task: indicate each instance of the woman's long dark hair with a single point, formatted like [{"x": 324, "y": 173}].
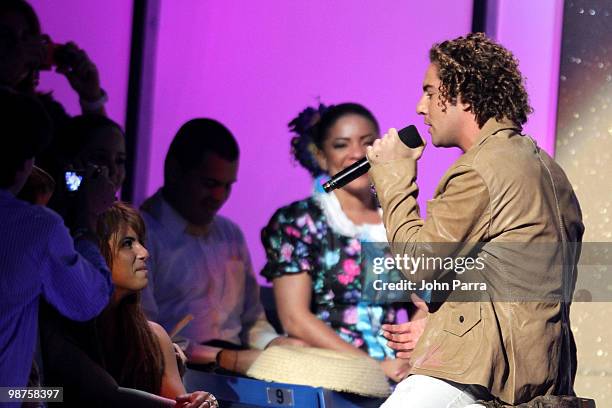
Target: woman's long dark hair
[{"x": 130, "y": 350}]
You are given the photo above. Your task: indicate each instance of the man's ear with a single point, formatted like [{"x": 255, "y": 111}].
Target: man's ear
[
  {"x": 467, "y": 107},
  {"x": 27, "y": 166},
  {"x": 172, "y": 172},
  {"x": 321, "y": 159},
  {"x": 21, "y": 175}
]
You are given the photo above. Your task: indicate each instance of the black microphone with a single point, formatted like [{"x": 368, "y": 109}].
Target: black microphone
[{"x": 408, "y": 135}]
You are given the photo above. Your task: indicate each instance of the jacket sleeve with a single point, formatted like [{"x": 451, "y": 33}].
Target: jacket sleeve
[
  {"x": 75, "y": 277},
  {"x": 457, "y": 218}
]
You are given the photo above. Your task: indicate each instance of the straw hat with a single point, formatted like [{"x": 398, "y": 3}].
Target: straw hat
[{"x": 317, "y": 367}]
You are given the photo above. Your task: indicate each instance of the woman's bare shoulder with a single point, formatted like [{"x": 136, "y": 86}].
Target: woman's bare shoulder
[{"x": 160, "y": 333}]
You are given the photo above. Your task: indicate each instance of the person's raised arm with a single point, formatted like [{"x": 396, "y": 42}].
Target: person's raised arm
[
  {"x": 452, "y": 219},
  {"x": 83, "y": 76},
  {"x": 75, "y": 277},
  {"x": 76, "y": 280}
]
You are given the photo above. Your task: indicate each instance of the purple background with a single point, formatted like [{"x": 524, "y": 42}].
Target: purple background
[
  {"x": 532, "y": 31},
  {"x": 255, "y": 65}
]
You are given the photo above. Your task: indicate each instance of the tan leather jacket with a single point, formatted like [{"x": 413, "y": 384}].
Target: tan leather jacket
[{"x": 501, "y": 195}]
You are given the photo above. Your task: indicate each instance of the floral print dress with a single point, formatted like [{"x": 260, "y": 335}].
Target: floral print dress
[{"x": 300, "y": 238}]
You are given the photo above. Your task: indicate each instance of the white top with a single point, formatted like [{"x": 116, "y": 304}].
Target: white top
[{"x": 341, "y": 224}]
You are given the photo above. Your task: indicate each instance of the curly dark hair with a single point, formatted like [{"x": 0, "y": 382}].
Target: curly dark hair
[
  {"x": 302, "y": 143},
  {"x": 311, "y": 128},
  {"x": 484, "y": 75}
]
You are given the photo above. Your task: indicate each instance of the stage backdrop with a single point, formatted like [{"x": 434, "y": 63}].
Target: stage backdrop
[
  {"x": 255, "y": 65},
  {"x": 584, "y": 149},
  {"x": 532, "y": 31}
]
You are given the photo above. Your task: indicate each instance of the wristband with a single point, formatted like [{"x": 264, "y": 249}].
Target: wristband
[
  {"x": 94, "y": 105},
  {"x": 218, "y": 358},
  {"x": 221, "y": 360}
]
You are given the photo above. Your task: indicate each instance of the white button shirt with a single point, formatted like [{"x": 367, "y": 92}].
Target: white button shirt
[{"x": 210, "y": 277}]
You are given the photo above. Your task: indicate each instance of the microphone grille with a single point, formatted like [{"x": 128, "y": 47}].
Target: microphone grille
[{"x": 410, "y": 137}]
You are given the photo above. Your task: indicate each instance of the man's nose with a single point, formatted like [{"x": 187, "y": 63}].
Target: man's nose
[
  {"x": 219, "y": 193},
  {"x": 421, "y": 107}
]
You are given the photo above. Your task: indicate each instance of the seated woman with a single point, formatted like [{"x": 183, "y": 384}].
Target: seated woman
[
  {"x": 137, "y": 354},
  {"x": 314, "y": 250}
]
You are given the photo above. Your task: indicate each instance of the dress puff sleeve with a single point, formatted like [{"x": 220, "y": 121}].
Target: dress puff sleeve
[{"x": 291, "y": 240}]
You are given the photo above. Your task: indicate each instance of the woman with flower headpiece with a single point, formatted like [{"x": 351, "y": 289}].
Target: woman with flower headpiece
[{"x": 316, "y": 252}]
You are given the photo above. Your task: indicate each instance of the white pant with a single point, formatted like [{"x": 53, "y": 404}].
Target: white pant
[{"x": 421, "y": 391}]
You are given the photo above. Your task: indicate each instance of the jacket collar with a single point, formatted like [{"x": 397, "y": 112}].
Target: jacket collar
[
  {"x": 166, "y": 215},
  {"x": 492, "y": 126},
  {"x": 163, "y": 212}
]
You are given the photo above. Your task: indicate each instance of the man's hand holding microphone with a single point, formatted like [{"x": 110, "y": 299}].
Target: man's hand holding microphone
[{"x": 392, "y": 146}]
